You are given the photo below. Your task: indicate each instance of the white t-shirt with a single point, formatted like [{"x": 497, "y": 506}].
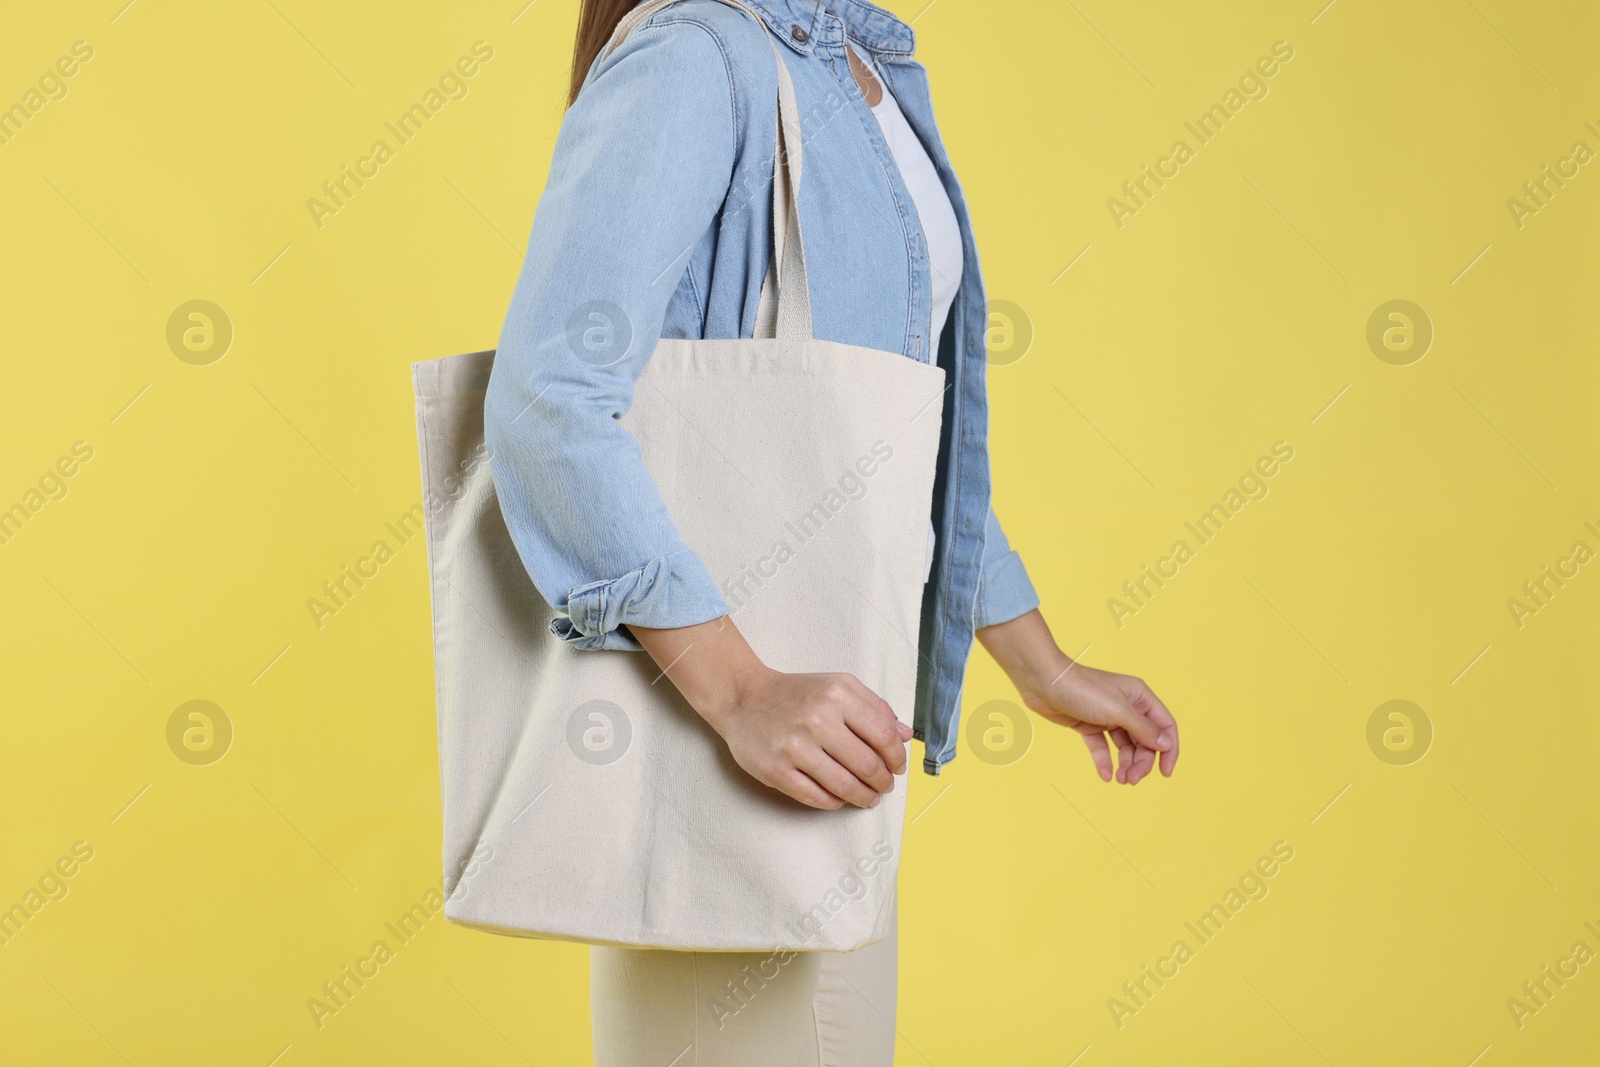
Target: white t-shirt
[{"x": 938, "y": 218}]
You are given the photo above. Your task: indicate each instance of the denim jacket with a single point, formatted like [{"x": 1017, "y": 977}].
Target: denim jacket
[{"x": 656, "y": 222}]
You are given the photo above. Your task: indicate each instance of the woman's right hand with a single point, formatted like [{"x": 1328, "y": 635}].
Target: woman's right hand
[{"x": 824, "y": 739}]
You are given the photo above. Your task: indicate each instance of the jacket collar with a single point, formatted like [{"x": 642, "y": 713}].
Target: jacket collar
[{"x": 820, "y": 21}]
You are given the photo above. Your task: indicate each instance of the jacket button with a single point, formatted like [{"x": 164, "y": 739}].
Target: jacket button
[{"x": 799, "y": 34}]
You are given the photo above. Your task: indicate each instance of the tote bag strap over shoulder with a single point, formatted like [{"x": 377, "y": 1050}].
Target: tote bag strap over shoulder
[{"x": 784, "y": 312}]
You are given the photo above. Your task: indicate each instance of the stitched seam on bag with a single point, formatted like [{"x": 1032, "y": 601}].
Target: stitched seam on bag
[{"x": 430, "y": 538}]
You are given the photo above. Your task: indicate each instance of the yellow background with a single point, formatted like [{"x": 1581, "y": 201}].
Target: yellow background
[{"x": 1227, "y": 314}]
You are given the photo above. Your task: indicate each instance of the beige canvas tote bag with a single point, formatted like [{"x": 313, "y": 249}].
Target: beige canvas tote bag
[{"x": 583, "y": 798}]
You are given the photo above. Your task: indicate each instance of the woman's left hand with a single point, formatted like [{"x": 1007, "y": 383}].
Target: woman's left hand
[
  {"x": 1096, "y": 703},
  {"x": 1106, "y": 708}
]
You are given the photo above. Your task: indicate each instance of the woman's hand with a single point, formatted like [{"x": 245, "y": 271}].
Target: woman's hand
[
  {"x": 824, "y": 739},
  {"x": 1098, "y": 704}
]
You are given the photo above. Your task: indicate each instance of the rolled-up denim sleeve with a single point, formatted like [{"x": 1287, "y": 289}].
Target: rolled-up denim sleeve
[
  {"x": 642, "y": 164},
  {"x": 1004, "y": 588}
]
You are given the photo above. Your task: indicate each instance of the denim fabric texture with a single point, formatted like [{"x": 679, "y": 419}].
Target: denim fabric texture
[{"x": 656, "y": 222}]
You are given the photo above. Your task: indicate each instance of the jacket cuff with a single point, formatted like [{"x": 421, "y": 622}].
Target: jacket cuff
[
  {"x": 1004, "y": 591},
  {"x": 669, "y": 591}
]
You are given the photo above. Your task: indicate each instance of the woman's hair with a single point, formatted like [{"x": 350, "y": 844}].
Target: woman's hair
[{"x": 596, "y": 22}]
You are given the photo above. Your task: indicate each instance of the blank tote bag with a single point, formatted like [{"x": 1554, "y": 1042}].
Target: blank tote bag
[{"x": 583, "y": 798}]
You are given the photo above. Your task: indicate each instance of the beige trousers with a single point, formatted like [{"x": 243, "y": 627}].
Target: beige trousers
[{"x": 657, "y": 1008}]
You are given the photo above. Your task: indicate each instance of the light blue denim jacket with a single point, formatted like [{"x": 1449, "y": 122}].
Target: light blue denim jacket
[{"x": 656, "y": 222}]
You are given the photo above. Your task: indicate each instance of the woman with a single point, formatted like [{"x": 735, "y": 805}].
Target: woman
[{"x": 656, "y": 223}]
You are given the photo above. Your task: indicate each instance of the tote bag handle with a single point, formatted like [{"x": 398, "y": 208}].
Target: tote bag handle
[{"x": 786, "y": 312}]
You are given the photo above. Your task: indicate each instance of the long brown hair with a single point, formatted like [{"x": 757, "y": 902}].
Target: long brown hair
[{"x": 597, "y": 20}]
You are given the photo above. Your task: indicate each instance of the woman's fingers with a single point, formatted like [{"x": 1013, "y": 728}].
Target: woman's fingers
[
  {"x": 822, "y": 739},
  {"x": 1149, "y": 707},
  {"x": 1147, "y": 720},
  {"x": 828, "y": 773},
  {"x": 803, "y": 788},
  {"x": 1157, "y": 712},
  {"x": 1143, "y": 760},
  {"x": 854, "y": 755},
  {"x": 1125, "y": 747},
  {"x": 871, "y": 719},
  {"x": 1128, "y": 717},
  {"x": 1099, "y": 751},
  {"x": 1118, "y": 710}
]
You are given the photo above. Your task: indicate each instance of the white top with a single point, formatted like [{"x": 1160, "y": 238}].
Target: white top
[{"x": 938, "y": 218}]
